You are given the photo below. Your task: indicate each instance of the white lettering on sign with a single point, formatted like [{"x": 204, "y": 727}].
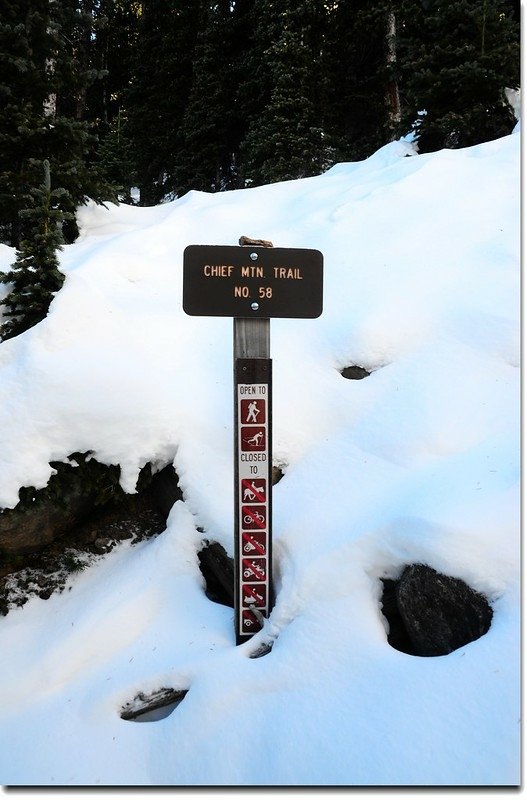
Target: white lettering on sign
[
  {"x": 253, "y": 504},
  {"x": 218, "y": 270},
  {"x": 290, "y": 273},
  {"x": 252, "y": 272}
]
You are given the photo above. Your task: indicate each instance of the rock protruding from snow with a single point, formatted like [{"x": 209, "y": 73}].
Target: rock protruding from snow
[{"x": 440, "y": 613}]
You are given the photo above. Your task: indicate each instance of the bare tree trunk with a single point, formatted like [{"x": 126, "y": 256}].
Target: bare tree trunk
[
  {"x": 392, "y": 88},
  {"x": 83, "y": 55},
  {"x": 49, "y": 108},
  {"x": 50, "y": 103}
]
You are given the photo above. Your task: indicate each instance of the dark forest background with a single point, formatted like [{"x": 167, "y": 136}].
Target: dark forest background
[{"x": 98, "y": 97}]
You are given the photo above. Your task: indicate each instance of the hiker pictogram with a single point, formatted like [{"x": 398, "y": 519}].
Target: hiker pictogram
[
  {"x": 253, "y": 438},
  {"x": 253, "y": 411}
]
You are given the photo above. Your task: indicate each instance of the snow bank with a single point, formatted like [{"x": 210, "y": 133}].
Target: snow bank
[{"x": 417, "y": 463}]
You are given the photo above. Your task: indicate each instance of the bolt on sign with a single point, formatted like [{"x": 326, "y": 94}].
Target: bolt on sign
[{"x": 252, "y": 284}]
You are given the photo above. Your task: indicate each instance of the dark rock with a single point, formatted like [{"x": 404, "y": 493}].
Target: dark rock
[
  {"x": 165, "y": 490},
  {"x": 218, "y": 570},
  {"x": 439, "y": 613},
  {"x": 78, "y": 494},
  {"x": 277, "y": 474},
  {"x": 354, "y": 373},
  {"x": 25, "y": 530},
  {"x": 121, "y": 535},
  {"x": 397, "y": 634},
  {"x": 72, "y": 493}
]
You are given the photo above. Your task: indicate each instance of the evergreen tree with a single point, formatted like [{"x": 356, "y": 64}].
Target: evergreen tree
[
  {"x": 113, "y": 43},
  {"x": 286, "y": 140},
  {"x": 115, "y": 158},
  {"x": 35, "y": 274},
  {"x": 23, "y": 92},
  {"x": 457, "y": 58},
  {"x": 212, "y": 125},
  {"x": 360, "y": 80},
  {"x": 39, "y": 99},
  {"x": 115, "y": 27},
  {"x": 159, "y": 91}
]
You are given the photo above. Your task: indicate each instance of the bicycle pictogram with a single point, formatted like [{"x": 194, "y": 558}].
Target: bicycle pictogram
[{"x": 254, "y": 517}]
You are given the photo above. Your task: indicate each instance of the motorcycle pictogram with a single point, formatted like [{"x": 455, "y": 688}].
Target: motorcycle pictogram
[{"x": 254, "y": 571}]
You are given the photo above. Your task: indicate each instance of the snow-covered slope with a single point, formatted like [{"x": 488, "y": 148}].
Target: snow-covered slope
[{"x": 417, "y": 463}]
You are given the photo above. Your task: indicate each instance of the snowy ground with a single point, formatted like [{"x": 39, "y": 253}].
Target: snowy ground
[{"x": 417, "y": 463}]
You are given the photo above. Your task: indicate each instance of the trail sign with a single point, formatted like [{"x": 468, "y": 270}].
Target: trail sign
[
  {"x": 252, "y": 284},
  {"x": 259, "y": 282}
]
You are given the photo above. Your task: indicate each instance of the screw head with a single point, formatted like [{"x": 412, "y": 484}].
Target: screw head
[
  {"x": 254, "y": 256},
  {"x": 255, "y": 306}
]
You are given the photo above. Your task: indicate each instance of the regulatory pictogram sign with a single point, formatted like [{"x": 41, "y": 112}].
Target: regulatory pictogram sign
[
  {"x": 254, "y": 518},
  {"x": 253, "y": 411},
  {"x": 253, "y": 438},
  {"x": 253, "y": 490},
  {"x": 254, "y": 595},
  {"x": 254, "y": 569},
  {"x": 254, "y": 543},
  {"x": 249, "y": 622}
]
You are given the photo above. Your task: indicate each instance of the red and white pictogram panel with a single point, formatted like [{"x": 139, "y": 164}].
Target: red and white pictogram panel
[{"x": 253, "y": 506}]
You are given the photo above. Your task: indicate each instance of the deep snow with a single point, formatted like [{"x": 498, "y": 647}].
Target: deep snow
[{"x": 419, "y": 462}]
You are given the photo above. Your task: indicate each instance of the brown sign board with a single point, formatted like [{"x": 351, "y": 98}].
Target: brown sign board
[{"x": 257, "y": 282}]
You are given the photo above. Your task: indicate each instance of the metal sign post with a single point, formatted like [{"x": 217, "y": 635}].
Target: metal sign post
[{"x": 252, "y": 283}]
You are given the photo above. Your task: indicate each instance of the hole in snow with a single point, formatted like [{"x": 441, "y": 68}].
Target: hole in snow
[
  {"x": 354, "y": 373},
  {"x": 153, "y": 707},
  {"x": 262, "y": 650},
  {"x": 431, "y": 614}
]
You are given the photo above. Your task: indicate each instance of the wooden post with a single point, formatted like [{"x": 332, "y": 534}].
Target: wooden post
[{"x": 251, "y": 338}]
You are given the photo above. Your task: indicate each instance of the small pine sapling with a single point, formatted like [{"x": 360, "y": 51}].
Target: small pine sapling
[{"x": 35, "y": 276}]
